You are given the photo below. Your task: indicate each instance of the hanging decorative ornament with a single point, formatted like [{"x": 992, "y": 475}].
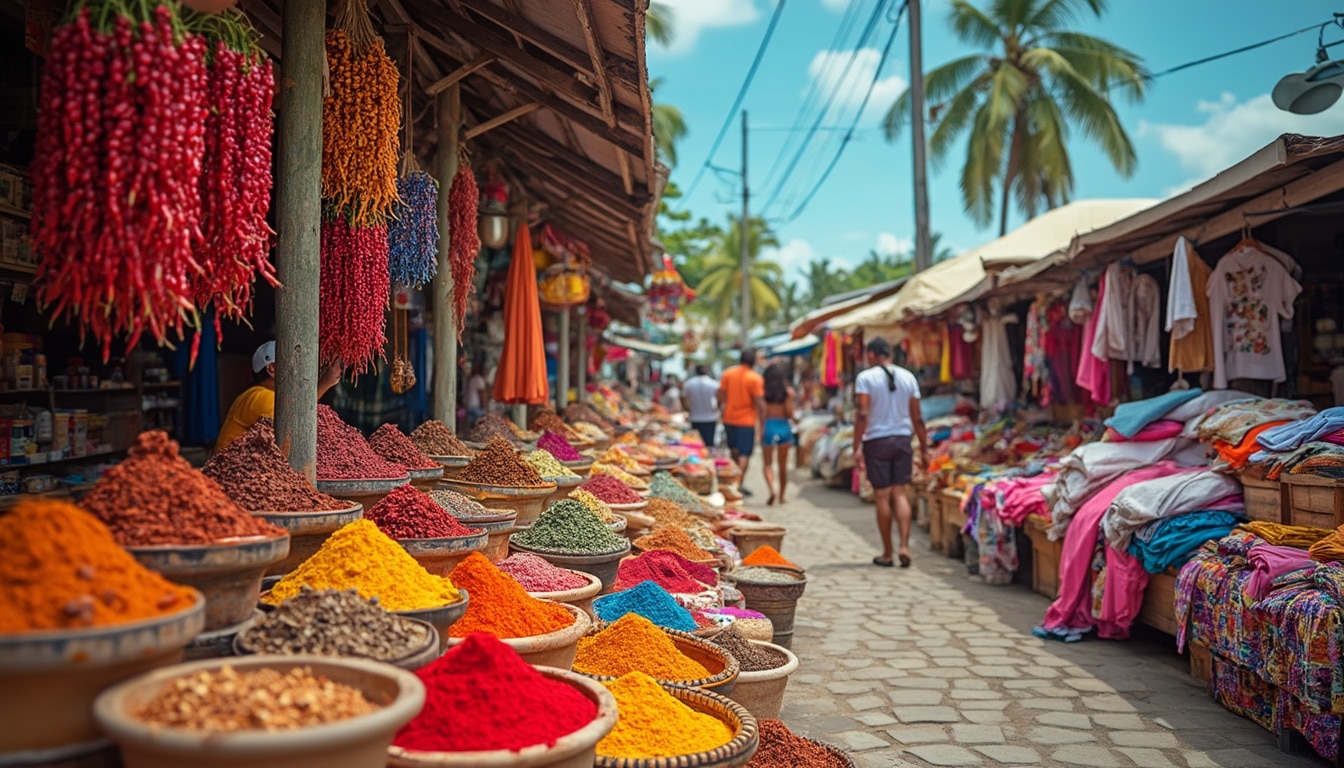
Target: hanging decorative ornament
[
  {"x": 668, "y": 294},
  {"x": 403, "y": 373},
  {"x": 690, "y": 343}
]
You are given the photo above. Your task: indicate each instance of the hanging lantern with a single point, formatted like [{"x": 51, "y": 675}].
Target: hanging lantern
[
  {"x": 492, "y": 223},
  {"x": 690, "y": 343},
  {"x": 668, "y": 294}
]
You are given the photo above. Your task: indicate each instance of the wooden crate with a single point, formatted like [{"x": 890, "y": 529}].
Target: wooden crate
[
  {"x": 1312, "y": 501},
  {"x": 1201, "y": 662},
  {"x": 935, "y": 505},
  {"x": 1264, "y": 498},
  {"x": 1045, "y": 555},
  {"x": 952, "y": 521},
  {"x": 1159, "y": 602},
  {"x": 919, "y": 504}
]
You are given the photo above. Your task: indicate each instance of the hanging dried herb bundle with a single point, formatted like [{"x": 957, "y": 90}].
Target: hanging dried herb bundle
[
  {"x": 353, "y": 294},
  {"x": 463, "y": 240},
  {"x": 413, "y": 234}
]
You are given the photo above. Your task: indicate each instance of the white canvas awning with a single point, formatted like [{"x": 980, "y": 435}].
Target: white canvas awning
[{"x": 660, "y": 351}]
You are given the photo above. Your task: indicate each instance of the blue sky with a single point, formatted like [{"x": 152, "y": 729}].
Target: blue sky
[{"x": 1190, "y": 125}]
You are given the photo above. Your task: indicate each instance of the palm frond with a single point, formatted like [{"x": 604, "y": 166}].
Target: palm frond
[
  {"x": 1053, "y": 14},
  {"x": 1090, "y": 109},
  {"x": 897, "y": 117},
  {"x": 984, "y": 164},
  {"x": 952, "y": 123},
  {"x": 660, "y": 23},
  {"x": 1107, "y": 66},
  {"x": 973, "y": 26}
]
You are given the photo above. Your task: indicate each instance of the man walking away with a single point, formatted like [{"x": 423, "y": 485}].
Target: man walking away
[
  {"x": 701, "y": 394},
  {"x": 742, "y": 395},
  {"x": 887, "y": 415}
]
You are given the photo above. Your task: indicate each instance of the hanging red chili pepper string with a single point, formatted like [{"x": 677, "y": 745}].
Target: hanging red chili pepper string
[
  {"x": 353, "y": 294},
  {"x": 464, "y": 242}
]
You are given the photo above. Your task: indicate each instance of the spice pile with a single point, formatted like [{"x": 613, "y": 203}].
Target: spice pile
[
  {"x": 589, "y": 430},
  {"x": 634, "y": 644},
  {"x": 262, "y": 699},
  {"x": 460, "y": 506},
  {"x": 257, "y": 476},
  {"x": 664, "y": 486},
  {"x": 390, "y": 443},
  {"x": 673, "y": 540},
  {"x": 568, "y": 527},
  {"x": 547, "y": 465},
  {"x": 490, "y": 426},
  {"x": 498, "y": 464},
  {"x": 576, "y": 413},
  {"x": 621, "y": 475},
  {"x": 649, "y": 600},
  {"x": 363, "y": 558},
  {"x": 617, "y": 458},
  {"x": 668, "y": 570},
  {"x": 780, "y": 748},
  {"x": 611, "y": 490},
  {"x": 155, "y": 497},
  {"x": 482, "y": 696},
  {"x": 410, "y": 513},
  {"x": 546, "y": 420},
  {"x": 556, "y": 444},
  {"x": 750, "y": 657},
  {"x": 329, "y": 622},
  {"x": 666, "y": 512},
  {"x": 500, "y": 606},
  {"x": 344, "y": 454},
  {"x": 763, "y": 575},
  {"x": 538, "y": 575},
  {"x": 768, "y": 555},
  {"x": 654, "y": 723},
  {"x": 594, "y": 505},
  {"x": 436, "y": 439},
  {"x": 61, "y": 569}
]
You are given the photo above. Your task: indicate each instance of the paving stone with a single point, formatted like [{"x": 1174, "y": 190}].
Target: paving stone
[
  {"x": 995, "y": 672},
  {"x": 1089, "y": 685},
  {"x": 1058, "y": 705},
  {"x": 971, "y": 695},
  {"x": 999, "y": 661},
  {"x": 1199, "y": 760},
  {"x": 860, "y": 703},
  {"x": 1154, "y": 739},
  {"x": 849, "y": 687},
  {"x": 875, "y": 719},
  {"x": 923, "y": 683},
  {"x": 971, "y": 685},
  {"x": 1107, "y": 704},
  {"x": 1065, "y": 720},
  {"x": 1121, "y": 722},
  {"x": 1010, "y": 755},
  {"x": 859, "y": 741},
  {"x": 984, "y": 716},
  {"x": 945, "y": 755},
  {"x": 1038, "y": 671},
  {"x": 882, "y": 672},
  {"x": 833, "y": 724},
  {"x": 1087, "y": 756},
  {"x": 1054, "y": 736},
  {"x": 918, "y": 734},
  {"x": 964, "y": 733},
  {"x": 990, "y": 706},
  {"x": 926, "y": 715},
  {"x": 1147, "y": 758},
  {"x": 916, "y": 697}
]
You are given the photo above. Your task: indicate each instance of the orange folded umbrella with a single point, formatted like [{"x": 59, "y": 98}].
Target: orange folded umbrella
[{"x": 521, "y": 377}]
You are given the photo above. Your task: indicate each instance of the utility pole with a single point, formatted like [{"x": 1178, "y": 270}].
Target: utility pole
[
  {"x": 744, "y": 231},
  {"x": 923, "y": 258}
]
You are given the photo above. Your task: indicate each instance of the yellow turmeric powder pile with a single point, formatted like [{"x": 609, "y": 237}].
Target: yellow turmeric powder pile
[
  {"x": 61, "y": 569},
  {"x": 635, "y": 644},
  {"x": 363, "y": 558},
  {"x": 653, "y": 723}
]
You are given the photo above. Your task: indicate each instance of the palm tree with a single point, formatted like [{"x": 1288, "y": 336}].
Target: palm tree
[
  {"x": 823, "y": 280},
  {"x": 660, "y": 23},
  {"x": 1034, "y": 80},
  {"x": 669, "y": 127},
  {"x": 721, "y": 287}
]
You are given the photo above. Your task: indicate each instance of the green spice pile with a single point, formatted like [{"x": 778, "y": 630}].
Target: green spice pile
[
  {"x": 499, "y": 464},
  {"x": 595, "y": 505},
  {"x": 567, "y": 527},
  {"x": 436, "y": 439},
  {"x": 547, "y": 465},
  {"x": 750, "y": 657},
  {"x": 331, "y": 622},
  {"x": 760, "y": 575},
  {"x": 664, "y": 486},
  {"x": 460, "y": 506}
]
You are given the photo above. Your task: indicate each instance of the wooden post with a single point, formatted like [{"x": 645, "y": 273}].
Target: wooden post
[
  {"x": 582, "y": 315},
  {"x": 562, "y": 363},
  {"x": 298, "y": 243},
  {"x": 448, "y": 105}
]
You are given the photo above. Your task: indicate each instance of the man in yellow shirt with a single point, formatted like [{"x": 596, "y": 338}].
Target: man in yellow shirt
[{"x": 259, "y": 399}]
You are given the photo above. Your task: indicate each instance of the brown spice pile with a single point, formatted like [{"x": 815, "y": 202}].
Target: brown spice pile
[
  {"x": 666, "y": 512},
  {"x": 264, "y": 699},
  {"x": 576, "y": 412},
  {"x": 780, "y": 748},
  {"x": 546, "y": 420},
  {"x": 392, "y": 444},
  {"x": 499, "y": 464},
  {"x": 490, "y": 426},
  {"x": 436, "y": 439},
  {"x": 674, "y": 540},
  {"x": 155, "y": 497},
  {"x": 257, "y": 476}
]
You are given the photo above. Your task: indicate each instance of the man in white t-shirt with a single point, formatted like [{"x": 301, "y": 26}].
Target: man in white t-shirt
[
  {"x": 701, "y": 394},
  {"x": 887, "y": 417}
]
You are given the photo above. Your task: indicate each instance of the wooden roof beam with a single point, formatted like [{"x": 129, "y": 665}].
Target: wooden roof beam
[
  {"x": 545, "y": 39},
  {"x": 583, "y": 9},
  {"x": 495, "y": 122},
  {"x": 559, "y": 155},
  {"x": 444, "y": 83}
]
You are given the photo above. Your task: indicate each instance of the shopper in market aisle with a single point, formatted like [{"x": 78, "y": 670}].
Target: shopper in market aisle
[
  {"x": 671, "y": 399},
  {"x": 777, "y": 436},
  {"x": 258, "y": 400},
  {"x": 886, "y": 417},
  {"x": 701, "y": 396},
  {"x": 742, "y": 395},
  {"x": 475, "y": 395}
]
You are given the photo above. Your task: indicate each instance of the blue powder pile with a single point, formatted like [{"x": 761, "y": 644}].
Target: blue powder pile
[{"x": 648, "y": 600}]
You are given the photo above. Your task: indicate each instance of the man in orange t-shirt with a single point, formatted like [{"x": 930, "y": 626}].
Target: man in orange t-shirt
[{"x": 742, "y": 396}]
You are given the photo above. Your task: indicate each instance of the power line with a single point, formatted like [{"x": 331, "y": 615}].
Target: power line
[
  {"x": 1242, "y": 49},
  {"x": 877, "y": 75},
  {"x": 737, "y": 103}
]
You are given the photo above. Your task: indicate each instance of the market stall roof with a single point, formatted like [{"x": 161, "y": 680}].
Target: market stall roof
[
  {"x": 625, "y": 306},
  {"x": 557, "y": 90},
  {"x": 800, "y": 346},
  {"x": 660, "y": 351},
  {"x": 1289, "y": 172},
  {"x": 840, "y": 304}
]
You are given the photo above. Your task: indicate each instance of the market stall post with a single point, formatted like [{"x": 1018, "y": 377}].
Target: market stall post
[
  {"x": 562, "y": 363},
  {"x": 582, "y": 312},
  {"x": 298, "y": 242},
  {"x": 448, "y": 106}
]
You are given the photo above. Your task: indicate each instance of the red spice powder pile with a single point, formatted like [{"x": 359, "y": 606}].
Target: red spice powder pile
[
  {"x": 392, "y": 444},
  {"x": 538, "y": 575},
  {"x": 611, "y": 490},
  {"x": 155, "y": 497},
  {"x": 344, "y": 454},
  {"x": 410, "y": 513},
  {"x": 667, "y": 569},
  {"x": 481, "y": 696},
  {"x": 257, "y": 476}
]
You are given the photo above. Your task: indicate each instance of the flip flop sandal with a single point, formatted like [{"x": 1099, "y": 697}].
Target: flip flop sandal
[
  {"x": 905, "y": 561},
  {"x": 878, "y": 561}
]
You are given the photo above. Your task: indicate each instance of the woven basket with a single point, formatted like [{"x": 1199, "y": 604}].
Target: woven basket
[
  {"x": 708, "y": 655},
  {"x": 737, "y": 752}
]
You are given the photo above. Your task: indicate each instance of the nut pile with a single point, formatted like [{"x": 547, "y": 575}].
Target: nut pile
[
  {"x": 547, "y": 465},
  {"x": 436, "y": 439},
  {"x": 392, "y": 444},
  {"x": 330, "y": 622},
  {"x": 498, "y": 464},
  {"x": 226, "y": 700}
]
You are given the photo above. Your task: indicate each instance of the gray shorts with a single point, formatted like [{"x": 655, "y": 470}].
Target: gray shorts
[{"x": 889, "y": 461}]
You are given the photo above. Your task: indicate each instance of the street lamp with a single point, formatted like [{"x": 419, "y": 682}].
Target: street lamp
[{"x": 1317, "y": 89}]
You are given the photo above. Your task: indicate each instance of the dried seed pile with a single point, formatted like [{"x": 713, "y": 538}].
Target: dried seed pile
[
  {"x": 490, "y": 426},
  {"x": 409, "y": 513},
  {"x": 257, "y": 476},
  {"x": 781, "y": 748},
  {"x": 620, "y": 474},
  {"x": 594, "y": 505},
  {"x": 436, "y": 439},
  {"x": 750, "y": 657},
  {"x": 264, "y": 699},
  {"x": 329, "y": 622},
  {"x": 558, "y": 446},
  {"x": 611, "y": 490},
  {"x": 761, "y": 575},
  {"x": 499, "y": 464},
  {"x": 460, "y": 506},
  {"x": 546, "y": 464},
  {"x": 568, "y": 527},
  {"x": 344, "y": 454},
  {"x": 664, "y": 486},
  {"x": 666, "y": 512},
  {"x": 393, "y": 444},
  {"x": 537, "y": 575},
  {"x": 675, "y": 540}
]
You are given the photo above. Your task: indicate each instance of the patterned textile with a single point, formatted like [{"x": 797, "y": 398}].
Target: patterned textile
[
  {"x": 1321, "y": 731},
  {"x": 1319, "y": 454},
  {"x": 1231, "y": 422},
  {"x": 1243, "y": 692},
  {"x": 1211, "y": 603},
  {"x": 1303, "y": 655},
  {"x": 1323, "y": 463}
]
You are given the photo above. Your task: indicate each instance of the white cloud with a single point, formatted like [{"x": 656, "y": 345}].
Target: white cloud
[
  {"x": 829, "y": 75},
  {"x": 793, "y": 256},
  {"x": 691, "y": 17},
  {"x": 889, "y": 244},
  {"x": 1232, "y": 131}
]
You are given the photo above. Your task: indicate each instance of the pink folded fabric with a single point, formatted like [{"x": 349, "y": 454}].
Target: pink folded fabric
[
  {"x": 1335, "y": 437},
  {"x": 1162, "y": 429},
  {"x": 1270, "y": 562}
]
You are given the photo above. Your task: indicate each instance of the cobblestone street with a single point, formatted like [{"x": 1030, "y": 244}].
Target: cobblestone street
[{"x": 925, "y": 667}]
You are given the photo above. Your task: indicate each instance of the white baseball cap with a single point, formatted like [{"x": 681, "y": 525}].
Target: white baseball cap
[{"x": 264, "y": 356}]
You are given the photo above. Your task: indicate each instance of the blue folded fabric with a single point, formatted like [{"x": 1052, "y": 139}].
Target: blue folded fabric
[
  {"x": 1287, "y": 437},
  {"x": 1130, "y": 418},
  {"x": 1173, "y": 540}
]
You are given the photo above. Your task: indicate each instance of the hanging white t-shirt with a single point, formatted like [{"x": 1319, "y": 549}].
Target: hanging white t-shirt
[
  {"x": 998, "y": 385},
  {"x": 1249, "y": 292}
]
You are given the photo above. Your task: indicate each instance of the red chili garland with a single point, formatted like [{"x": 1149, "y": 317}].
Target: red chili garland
[
  {"x": 464, "y": 242},
  {"x": 353, "y": 294}
]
